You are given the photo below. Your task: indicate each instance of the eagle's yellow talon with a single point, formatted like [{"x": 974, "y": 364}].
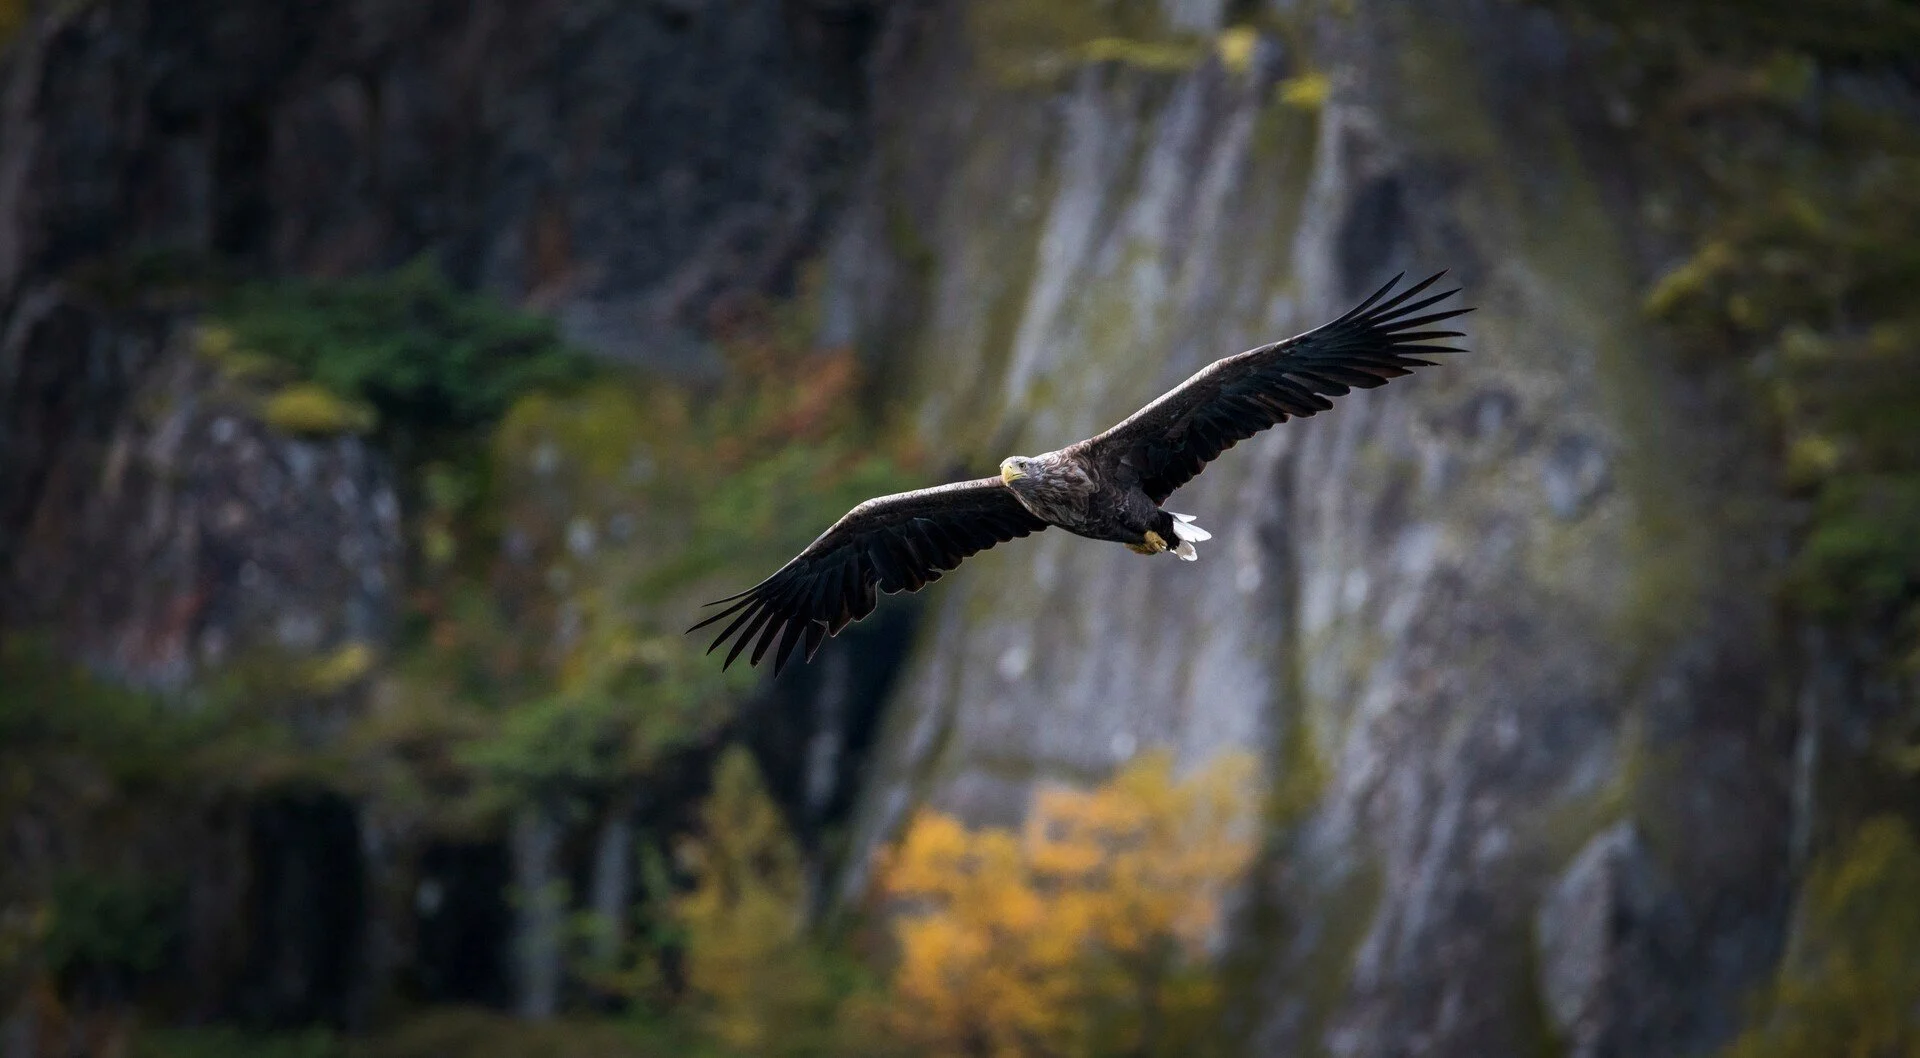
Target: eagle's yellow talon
[{"x": 1155, "y": 543}]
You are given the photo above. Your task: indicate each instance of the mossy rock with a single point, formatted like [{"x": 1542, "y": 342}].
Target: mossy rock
[
  {"x": 13, "y": 18},
  {"x": 308, "y": 409},
  {"x": 341, "y": 668},
  {"x": 1027, "y": 42},
  {"x": 1309, "y": 91},
  {"x": 1852, "y": 970}
]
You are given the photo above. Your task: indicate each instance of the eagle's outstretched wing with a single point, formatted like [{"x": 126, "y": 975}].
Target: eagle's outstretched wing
[
  {"x": 902, "y": 542},
  {"x": 1169, "y": 441}
]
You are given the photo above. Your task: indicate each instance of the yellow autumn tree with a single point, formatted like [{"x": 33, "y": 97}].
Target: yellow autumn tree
[
  {"x": 1085, "y": 932},
  {"x": 756, "y": 983}
]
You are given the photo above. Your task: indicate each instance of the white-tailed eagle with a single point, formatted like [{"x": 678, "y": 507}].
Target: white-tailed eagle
[{"x": 1108, "y": 487}]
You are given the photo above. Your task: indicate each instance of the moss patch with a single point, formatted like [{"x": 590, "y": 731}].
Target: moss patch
[
  {"x": 310, "y": 409},
  {"x": 1848, "y": 982},
  {"x": 341, "y": 668},
  {"x": 1308, "y": 91},
  {"x": 1035, "y": 42},
  {"x": 1665, "y": 533},
  {"x": 1235, "y": 47}
]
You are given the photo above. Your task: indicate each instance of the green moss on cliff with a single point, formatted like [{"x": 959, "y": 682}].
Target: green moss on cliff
[
  {"x": 1815, "y": 281},
  {"x": 310, "y": 409},
  {"x": 1030, "y": 42},
  {"x": 1850, "y": 977},
  {"x": 13, "y": 16},
  {"x": 1566, "y": 826},
  {"x": 1801, "y": 275},
  {"x": 1804, "y": 219},
  {"x": 1653, "y": 557},
  {"x": 548, "y": 659}
]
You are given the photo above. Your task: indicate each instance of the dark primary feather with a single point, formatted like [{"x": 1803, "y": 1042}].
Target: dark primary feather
[
  {"x": 894, "y": 543},
  {"x": 1169, "y": 441}
]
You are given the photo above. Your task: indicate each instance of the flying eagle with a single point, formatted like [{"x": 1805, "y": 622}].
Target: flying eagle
[{"x": 1108, "y": 487}]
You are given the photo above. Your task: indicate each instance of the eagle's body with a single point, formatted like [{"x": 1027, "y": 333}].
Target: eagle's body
[
  {"x": 1110, "y": 487},
  {"x": 1078, "y": 494}
]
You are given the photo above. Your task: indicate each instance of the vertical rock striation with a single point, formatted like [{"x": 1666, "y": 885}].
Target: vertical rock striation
[
  {"x": 1506, "y": 611},
  {"x": 635, "y": 169},
  {"x": 632, "y": 168},
  {"x": 1502, "y": 625}
]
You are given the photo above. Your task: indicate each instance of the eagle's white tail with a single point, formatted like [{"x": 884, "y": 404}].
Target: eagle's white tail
[{"x": 1188, "y": 534}]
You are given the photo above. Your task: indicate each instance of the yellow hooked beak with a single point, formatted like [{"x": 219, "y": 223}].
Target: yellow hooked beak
[{"x": 1008, "y": 472}]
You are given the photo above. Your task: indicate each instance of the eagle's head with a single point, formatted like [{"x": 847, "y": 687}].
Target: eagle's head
[{"x": 1014, "y": 468}]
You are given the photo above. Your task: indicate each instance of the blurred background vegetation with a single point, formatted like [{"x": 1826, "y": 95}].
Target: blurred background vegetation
[{"x": 531, "y": 817}]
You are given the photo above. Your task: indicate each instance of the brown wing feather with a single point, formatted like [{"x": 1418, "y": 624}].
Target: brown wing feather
[
  {"x": 890, "y": 544},
  {"x": 1168, "y": 442}
]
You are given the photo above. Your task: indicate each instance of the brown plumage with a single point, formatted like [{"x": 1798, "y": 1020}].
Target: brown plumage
[{"x": 1107, "y": 487}]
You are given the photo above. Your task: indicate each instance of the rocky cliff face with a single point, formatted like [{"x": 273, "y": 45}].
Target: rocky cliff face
[
  {"x": 514, "y": 144},
  {"x": 1500, "y": 632},
  {"x": 634, "y": 170},
  {"x": 1496, "y": 627}
]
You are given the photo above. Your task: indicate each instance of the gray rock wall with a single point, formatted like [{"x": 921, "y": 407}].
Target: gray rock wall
[
  {"x": 1500, "y": 630},
  {"x": 632, "y": 168},
  {"x": 1507, "y": 615},
  {"x": 197, "y": 536}
]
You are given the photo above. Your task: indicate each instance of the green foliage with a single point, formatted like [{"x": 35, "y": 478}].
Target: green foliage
[
  {"x": 228, "y": 1042},
  {"x": 1820, "y": 285},
  {"x": 59, "y": 723},
  {"x": 562, "y": 670},
  {"x": 1861, "y": 553},
  {"x": 567, "y": 523},
  {"x": 51, "y": 708},
  {"x": 1845, "y": 30},
  {"x": 23, "y": 928},
  {"x": 726, "y": 966},
  {"x": 756, "y": 983},
  {"x": 470, "y": 1033},
  {"x": 774, "y": 506},
  {"x": 1807, "y": 253},
  {"x": 637, "y": 702},
  {"x": 411, "y": 345},
  {"x": 112, "y": 927},
  {"x": 1847, "y": 986},
  {"x": 117, "y": 775}
]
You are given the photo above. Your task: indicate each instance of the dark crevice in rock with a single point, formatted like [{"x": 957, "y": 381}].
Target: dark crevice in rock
[{"x": 306, "y": 912}]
